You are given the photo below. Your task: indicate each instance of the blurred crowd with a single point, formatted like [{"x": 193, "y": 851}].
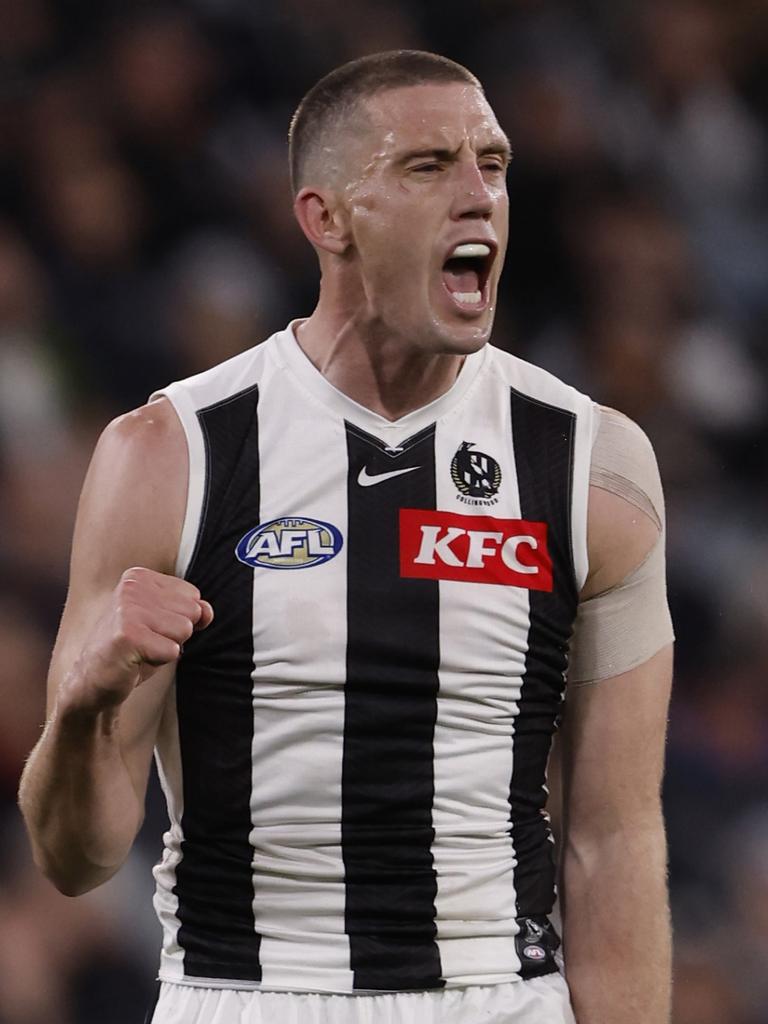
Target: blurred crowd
[{"x": 146, "y": 233}]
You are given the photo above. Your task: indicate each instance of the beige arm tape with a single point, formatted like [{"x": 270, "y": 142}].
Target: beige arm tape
[{"x": 627, "y": 624}]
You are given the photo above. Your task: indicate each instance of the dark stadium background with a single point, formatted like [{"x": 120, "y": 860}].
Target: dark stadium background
[{"x": 146, "y": 232}]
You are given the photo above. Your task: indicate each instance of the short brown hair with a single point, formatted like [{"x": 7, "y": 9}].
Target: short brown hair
[{"x": 335, "y": 95}]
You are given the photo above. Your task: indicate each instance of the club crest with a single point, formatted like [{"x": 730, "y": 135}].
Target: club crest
[{"x": 476, "y": 475}]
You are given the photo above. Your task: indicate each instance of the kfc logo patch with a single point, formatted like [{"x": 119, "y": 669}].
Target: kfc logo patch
[{"x": 474, "y": 549}]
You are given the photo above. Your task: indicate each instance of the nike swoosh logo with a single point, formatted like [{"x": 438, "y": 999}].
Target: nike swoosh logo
[{"x": 366, "y": 480}]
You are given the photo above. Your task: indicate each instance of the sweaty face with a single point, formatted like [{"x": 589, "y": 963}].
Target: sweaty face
[{"x": 428, "y": 209}]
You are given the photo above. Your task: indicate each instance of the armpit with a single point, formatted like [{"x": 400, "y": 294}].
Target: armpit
[{"x": 623, "y": 626}]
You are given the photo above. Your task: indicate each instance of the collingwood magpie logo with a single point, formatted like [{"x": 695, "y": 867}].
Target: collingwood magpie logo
[{"x": 476, "y": 475}]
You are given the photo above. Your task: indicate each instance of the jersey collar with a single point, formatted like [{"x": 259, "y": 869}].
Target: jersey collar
[{"x": 309, "y": 377}]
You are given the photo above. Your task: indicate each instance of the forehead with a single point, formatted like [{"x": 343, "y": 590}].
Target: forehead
[{"x": 439, "y": 115}]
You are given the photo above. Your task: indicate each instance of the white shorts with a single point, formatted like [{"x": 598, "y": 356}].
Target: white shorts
[{"x": 536, "y": 1001}]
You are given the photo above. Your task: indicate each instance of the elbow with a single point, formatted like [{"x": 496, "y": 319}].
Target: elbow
[
  {"x": 69, "y": 884},
  {"x": 72, "y": 879},
  {"x": 622, "y": 836},
  {"x": 588, "y": 856},
  {"x": 615, "y": 825}
]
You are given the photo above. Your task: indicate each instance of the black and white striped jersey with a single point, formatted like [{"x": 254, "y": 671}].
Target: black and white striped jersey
[{"x": 354, "y": 753}]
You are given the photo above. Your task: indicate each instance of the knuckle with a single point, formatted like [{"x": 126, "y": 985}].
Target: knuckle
[
  {"x": 133, "y": 575},
  {"x": 124, "y": 637},
  {"x": 136, "y": 577},
  {"x": 182, "y": 631},
  {"x": 166, "y": 651}
]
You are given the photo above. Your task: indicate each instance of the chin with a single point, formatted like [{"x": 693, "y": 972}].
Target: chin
[
  {"x": 461, "y": 331},
  {"x": 465, "y": 338}
]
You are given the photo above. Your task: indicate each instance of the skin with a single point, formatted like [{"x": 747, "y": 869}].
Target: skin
[
  {"x": 83, "y": 789},
  {"x": 384, "y": 333},
  {"x": 426, "y": 172},
  {"x": 613, "y": 888}
]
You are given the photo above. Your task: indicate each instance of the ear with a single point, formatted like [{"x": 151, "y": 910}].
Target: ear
[{"x": 322, "y": 219}]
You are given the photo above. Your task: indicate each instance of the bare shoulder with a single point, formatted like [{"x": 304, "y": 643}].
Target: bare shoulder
[
  {"x": 150, "y": 423},
  {"x": 133, "y": 500},
  {"x": 145, "y": 445},
  {"x": 626, "y": 507}
]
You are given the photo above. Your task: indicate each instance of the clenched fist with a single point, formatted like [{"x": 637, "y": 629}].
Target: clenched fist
[{"x": 145, "y": 624}]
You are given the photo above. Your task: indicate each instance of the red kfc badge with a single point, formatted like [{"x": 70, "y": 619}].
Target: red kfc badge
[{"x": 474, "y": 549}]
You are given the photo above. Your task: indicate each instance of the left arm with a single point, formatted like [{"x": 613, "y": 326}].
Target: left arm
[{"x": 616, "y": 928}]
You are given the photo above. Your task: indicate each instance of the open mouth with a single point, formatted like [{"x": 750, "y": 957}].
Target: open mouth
[{"x": 466, "y": 273}]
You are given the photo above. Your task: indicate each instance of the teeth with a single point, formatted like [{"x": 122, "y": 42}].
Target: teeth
[
  {"x": 471, "y": 298},
  {"x": 471, "y": 249}
]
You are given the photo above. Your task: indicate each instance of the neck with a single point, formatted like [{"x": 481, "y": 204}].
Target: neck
[{"x": 373, "y": 366}]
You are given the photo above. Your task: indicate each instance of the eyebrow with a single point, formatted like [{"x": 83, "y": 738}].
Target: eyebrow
[
  {"x": 500, "y": 146},
  {"x": 497, "y": 148}
]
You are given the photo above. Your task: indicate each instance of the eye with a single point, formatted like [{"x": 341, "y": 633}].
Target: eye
[
  {"x": 493, "y": 167},
  {"x": 432, "y": 167}
]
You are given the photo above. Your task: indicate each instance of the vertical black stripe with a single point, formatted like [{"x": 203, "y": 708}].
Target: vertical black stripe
[
  {"x": 213, "y": 693},
  {"x": 543, "y": 440},
  {"x": 390, "y": 711}
]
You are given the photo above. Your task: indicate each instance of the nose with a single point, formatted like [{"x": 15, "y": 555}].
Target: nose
[{"x": 473, "y": 197}]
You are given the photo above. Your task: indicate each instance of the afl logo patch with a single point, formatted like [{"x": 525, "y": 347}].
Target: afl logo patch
[
  {"x": 476, "y": 475},
  {"x": 292, "y": 542},
  {"x": 535, "y": 953}
]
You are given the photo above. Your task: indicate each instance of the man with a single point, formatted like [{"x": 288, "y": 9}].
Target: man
[{"x": 333, "y": 582}]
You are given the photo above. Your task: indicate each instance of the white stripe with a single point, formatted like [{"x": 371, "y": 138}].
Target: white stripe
[
  {"x": 483, "y": 643},
  {"x": 187, "y": 414},
  {"x": 166, "y": 903},
  {"x": 585, "y": 426},
  {"x": 299, "y": 636},
  {"x": 167, "y": 751}
]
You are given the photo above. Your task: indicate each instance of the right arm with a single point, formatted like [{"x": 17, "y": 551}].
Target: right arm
[{"x": 82, "y": 791}]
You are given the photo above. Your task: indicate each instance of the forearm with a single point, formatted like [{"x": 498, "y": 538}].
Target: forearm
[
  {"x": 617, "y": 936},
  {"x": 78, "y": 800}
]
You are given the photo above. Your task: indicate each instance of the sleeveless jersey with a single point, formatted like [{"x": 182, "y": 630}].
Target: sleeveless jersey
[{"x": 354, "y": 753}]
